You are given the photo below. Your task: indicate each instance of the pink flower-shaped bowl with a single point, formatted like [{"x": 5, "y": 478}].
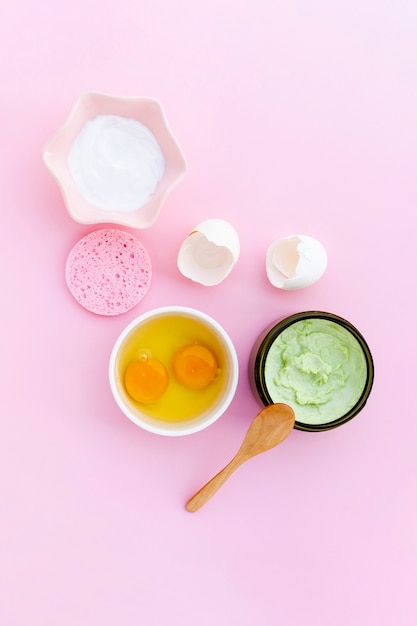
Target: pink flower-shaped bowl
[{"x": 146, "y": 110}]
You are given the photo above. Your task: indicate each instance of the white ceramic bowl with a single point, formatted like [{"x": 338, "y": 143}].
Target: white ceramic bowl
[
  {"x": 149, "y": 112},
  {"x": 225, "y": 353}
]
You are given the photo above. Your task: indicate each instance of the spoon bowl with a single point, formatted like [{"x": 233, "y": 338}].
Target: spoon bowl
[{"x": 269, "y": 428}]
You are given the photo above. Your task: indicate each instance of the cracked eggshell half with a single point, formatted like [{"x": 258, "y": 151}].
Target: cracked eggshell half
[
  {"x": 295, "y": 262},
  {"x": 209, "y": 252}
]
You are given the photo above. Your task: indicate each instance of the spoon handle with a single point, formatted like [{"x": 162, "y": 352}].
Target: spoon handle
[{"x": 209, "y": 489}]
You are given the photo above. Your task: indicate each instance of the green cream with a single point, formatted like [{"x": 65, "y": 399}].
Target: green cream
[{"x": 317, "y": 367}]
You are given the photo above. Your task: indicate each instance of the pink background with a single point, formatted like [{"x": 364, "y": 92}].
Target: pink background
[{"x": 295, "y": 117}]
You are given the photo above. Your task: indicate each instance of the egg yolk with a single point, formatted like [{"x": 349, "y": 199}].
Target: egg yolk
[
  {"x": 195, "y": 366},
  {"x": 146, "y": 380}
]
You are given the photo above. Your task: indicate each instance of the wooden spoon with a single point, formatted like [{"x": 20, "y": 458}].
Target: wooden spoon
[{"x": 270, "y": 427}]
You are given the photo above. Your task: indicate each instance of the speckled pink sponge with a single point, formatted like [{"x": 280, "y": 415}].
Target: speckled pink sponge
[{"x": 108, "y": 271}]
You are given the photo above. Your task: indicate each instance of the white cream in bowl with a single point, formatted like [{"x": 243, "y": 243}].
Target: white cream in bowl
[{"x": 116, "y": 163}]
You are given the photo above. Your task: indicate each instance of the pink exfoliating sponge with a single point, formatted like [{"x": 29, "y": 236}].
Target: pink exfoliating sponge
[{"x": 108, "y": 271}]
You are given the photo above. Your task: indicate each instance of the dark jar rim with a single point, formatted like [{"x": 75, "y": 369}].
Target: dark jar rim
[{"x": 266, "y": 339}]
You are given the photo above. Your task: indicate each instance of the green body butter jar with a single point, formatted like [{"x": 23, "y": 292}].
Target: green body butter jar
[{"x": 316, "y": 362}]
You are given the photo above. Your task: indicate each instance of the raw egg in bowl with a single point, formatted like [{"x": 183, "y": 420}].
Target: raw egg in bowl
[{"x": 173, "y": 371}]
